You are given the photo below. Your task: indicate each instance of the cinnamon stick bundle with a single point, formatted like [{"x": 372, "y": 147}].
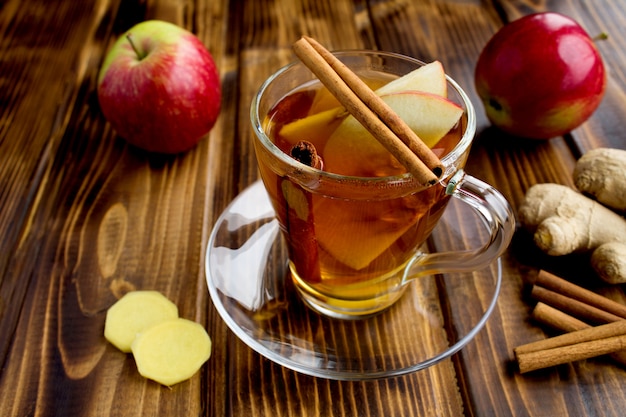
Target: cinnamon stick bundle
[
  {"x": 575, "y": 307},
  {"x": 557, "y": 297},
  {"x": 566, "y": 288},
  {"x": 577, "y": 345},
  {"x": 371, "y": 111},
  {"x": 559, "y": 320}
]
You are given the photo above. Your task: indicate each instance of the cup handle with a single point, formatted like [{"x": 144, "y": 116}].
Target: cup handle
[{"x": 498, "y": 218}]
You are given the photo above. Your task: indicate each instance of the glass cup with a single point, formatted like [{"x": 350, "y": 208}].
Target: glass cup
[{"x": 354, "y": 242}]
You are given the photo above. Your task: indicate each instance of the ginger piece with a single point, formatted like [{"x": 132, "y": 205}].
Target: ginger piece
[
  {"x": 166, "y": 348},
  {"x": 172, "y": 351},
  {"x": 601, "y": 173},
  {"x": 609, "y": 261},
  {"x": 565, "y": 221},
  {"x": 135, "y": 312}
]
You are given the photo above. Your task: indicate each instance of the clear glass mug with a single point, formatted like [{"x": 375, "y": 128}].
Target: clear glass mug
[{"x": 354, "y": 242}]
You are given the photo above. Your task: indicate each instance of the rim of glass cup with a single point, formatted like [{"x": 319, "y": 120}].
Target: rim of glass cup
[{"x": 406, "y": 178}]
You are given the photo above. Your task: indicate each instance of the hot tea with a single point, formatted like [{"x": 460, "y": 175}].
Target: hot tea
[
  {"x": 346, "y": 246},
  {"x": 353, "y": 217}
]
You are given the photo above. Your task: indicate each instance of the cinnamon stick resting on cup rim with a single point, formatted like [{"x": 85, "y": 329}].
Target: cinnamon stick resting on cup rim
[{"x": 371, "y": 111}]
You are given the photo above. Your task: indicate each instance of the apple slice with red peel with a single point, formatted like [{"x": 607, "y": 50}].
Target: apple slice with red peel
[
  {"x": 325, "y": 113},
  {"x": 352, "y": 150},
  {"x": 429, "y": 78}
]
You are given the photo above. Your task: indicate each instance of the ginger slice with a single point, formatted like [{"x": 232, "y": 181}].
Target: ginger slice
[
  {"x": 172, "y": 351},
  {"x": 135, "y": 312}
]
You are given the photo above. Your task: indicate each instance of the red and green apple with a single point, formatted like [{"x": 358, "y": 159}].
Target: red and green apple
[{"x": 159, "y": 88}]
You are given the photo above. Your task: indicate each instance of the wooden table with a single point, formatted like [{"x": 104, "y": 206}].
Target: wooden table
[{"x": 84, "y": 217}]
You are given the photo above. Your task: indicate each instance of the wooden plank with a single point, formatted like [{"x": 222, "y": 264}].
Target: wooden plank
[
  {"x": 43, "y": 54},
  {"x": 338, "y": 27},
  {"x": 103, "y": 218},
  {"x": 512, "y": 166},
  {"x": 219, "y": 26},
  {"x": 86, "y": 217}
]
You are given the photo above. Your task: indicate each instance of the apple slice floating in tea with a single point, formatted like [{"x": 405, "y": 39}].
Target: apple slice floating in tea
[
  {"x": 326, "y": 113},
  {"x": 430, "y": 78},
  {"x": 323, "y": 100},
  {"x": 315, "y": 128},
  {"x": 346, "y": 230},
  {"x": 347, "y": 148},
  {"x": 429, "y": 116}
]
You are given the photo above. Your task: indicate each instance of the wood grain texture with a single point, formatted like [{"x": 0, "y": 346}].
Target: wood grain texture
[
  {"x": 102, "y": 218},
  {"x": 84, "y": 217}
]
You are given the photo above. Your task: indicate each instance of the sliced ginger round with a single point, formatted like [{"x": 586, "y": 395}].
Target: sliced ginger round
[
  {"x": 172, "y": 351},
  {"x": 135, "y": 312}
]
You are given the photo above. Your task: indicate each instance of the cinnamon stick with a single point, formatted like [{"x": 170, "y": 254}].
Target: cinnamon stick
[
  {"x": 572, "y": 306},
  {"x": 582, "y": 341},
  {"x": 305, "y": 152},
  {"x": 570, "y": 347},
  {"x": 298, "y": 215},
  {"x": 374, "y": 102},
  {"x": 382, "y": 122},
  {"x": 564, "y": 287},
  {"x": 559, "y": 320}
]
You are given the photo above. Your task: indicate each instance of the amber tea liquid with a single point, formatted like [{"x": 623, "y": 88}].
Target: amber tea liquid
[{"x": 345, "y": 249}]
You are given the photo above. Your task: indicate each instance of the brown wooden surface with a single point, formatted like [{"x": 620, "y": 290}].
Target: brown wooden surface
[{"x": 84, "y": 217}]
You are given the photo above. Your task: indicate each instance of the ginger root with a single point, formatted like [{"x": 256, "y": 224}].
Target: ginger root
[
  {"x": 609, "y": 261},
  {"x": 565, "y": 221},
  {"x": 601, "y": 173}
]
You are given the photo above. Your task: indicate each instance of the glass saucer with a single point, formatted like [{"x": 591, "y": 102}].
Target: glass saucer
[{"x": 249, "y": 283}]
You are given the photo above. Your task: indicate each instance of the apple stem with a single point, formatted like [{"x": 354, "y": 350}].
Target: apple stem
[
  {"x": 601, "y": 37},
  {"x": 140, "y": 55}
]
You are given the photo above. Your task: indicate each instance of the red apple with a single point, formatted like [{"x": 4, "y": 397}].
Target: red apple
[
  {"x": 540, "y": 76},
  {"x": 159, "y": 88}
]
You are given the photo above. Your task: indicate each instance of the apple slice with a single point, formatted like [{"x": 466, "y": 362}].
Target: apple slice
[
  {"x": 323, "y": 100},
  {"x": 356, "y": 234},
  {"x": 352, "y": 150},
  {"x": 430, "y": 78},
  {"x": 315, "y": 129},
  {"x": 325, "y": 113}
]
